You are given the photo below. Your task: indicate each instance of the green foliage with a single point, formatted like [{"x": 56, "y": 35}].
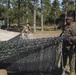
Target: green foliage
[{"x": 48, "y": 9}]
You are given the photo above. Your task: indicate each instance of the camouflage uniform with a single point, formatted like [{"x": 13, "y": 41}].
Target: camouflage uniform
[
  {"x": 25, "y": 32},
  {"x": 69, "y": 47}
]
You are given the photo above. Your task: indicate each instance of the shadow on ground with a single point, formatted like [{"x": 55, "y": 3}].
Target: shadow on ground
[{"x": 56, "y": 71}]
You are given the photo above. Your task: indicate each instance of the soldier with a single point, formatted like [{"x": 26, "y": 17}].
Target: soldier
[
  {"x": 25, "y": 31},
  {"x": 69, "y": 44}
]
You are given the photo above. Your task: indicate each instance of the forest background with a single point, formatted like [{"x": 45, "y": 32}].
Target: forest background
[{"x": 16, "y": 11}]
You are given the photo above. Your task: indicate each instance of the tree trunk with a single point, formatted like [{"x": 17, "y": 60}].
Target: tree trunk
[
  {"x": 26, "y": 11},
  {"x": 41, "y": 16},
  {"x": 35, "y": 4},
  {"x": 66, "y": 10},
  {"x": 18, "y": 13},
  {"x": 55, "y": 16},
  {"x": 8, "y": 25},
  {"x": 75, "y": 10},
  {"x": 55, "y": 20}
]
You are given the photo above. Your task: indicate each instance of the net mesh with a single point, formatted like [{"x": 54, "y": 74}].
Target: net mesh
[{"x": 40, "y": 55}]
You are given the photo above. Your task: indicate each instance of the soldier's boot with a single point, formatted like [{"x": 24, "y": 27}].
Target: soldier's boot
[{"x": 72, "y": 73}]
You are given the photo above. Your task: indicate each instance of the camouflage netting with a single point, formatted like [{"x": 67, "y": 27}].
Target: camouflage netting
[{"x": 30, "y": 55}]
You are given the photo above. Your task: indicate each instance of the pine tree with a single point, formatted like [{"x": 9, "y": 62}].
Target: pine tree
[
  {"x": 46, "y": 11},
  {"x": 56, "y": 10},
  {"x": 41, "y": 15}
]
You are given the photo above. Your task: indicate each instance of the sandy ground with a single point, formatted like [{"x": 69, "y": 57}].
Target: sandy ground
[
  {"x": 3, "y": 72},
  {"x": 7, "y": 35},
  {"x": 45, "y": 34}
]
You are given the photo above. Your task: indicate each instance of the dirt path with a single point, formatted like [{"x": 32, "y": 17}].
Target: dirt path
[
  {"x": 44, "y": 34},
  {"x": 7, "y": 35}
]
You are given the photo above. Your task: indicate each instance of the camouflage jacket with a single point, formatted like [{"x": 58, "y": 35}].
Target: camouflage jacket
[
  {"x": 26, "y": 29},
  {"x": 70, "y": 32}
]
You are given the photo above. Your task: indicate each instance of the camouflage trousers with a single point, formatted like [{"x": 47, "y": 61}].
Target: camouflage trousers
[
  {"x": 25, "y": 35},
  {"x": 69, "y": 51}
]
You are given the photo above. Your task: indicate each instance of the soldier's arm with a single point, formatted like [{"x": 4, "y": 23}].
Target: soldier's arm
[
  {"x": 73, "y": 38},
  {"x": 63, "y": 29},
  {"x": 73, "y": 34}
]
